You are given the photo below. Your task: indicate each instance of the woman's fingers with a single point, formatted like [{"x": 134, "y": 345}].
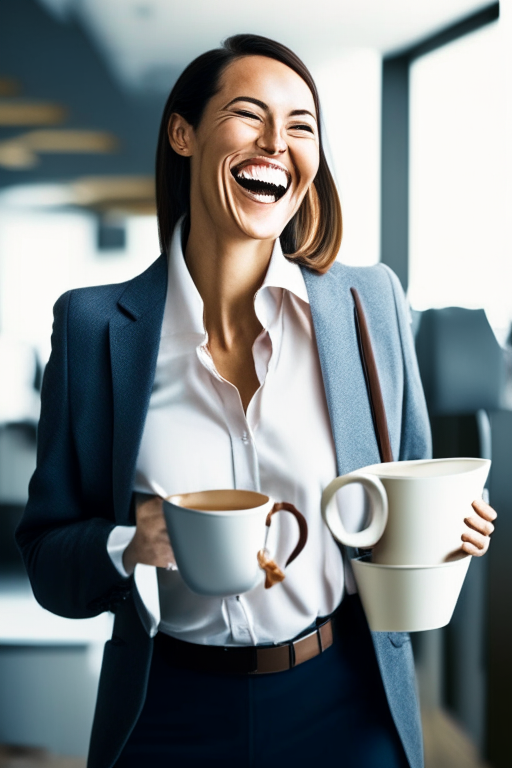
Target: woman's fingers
[
  {"x": 475, "y": 540},
  {"x": 164, "y": 557},
  {"x": 479, "y": 524},
  {"x": 150, "y": 509},
  {"x": 151, "y": 544},
  {"x": 475, "y": 543},
  {"x": 150, "y": 550},
  {"x": 484, "y": 510},
  {"x": 471, "y": 549}
]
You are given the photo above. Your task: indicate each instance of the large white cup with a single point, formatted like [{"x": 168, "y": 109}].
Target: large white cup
[
  {"x": 417, "y": 508},
  {"x": 219, "y": 538},
  {"x": 409, "y": 598}
]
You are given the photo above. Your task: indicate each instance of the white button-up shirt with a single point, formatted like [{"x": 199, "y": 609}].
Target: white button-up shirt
[{"x": 198, "y": 437}]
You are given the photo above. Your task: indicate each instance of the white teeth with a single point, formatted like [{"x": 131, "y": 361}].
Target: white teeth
[
  {"x": 264, "y": 198},
  {"x": 267, "y": 173}
]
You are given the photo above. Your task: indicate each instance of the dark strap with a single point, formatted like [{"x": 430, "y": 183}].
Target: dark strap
[{"x": 372, "y": 381}]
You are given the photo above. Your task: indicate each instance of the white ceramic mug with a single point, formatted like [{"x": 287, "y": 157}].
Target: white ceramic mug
[
  {"x": 417, "y": 508},
  {"x": 219, "y": 538}
]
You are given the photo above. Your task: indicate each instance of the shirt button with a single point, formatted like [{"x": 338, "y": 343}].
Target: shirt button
[{"x": 245, "y": 438}]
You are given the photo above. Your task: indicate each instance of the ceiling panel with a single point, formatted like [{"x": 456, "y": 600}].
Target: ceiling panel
[
  {"x": 97, "y": 72},
  {"x": 141, "y": 40},
  {"x": 50, "y": 66}
]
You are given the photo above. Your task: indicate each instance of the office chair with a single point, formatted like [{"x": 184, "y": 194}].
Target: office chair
[{"x": 463, "y": 372}]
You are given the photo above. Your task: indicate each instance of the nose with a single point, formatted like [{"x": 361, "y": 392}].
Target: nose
[{"x": 271, "y": 140}]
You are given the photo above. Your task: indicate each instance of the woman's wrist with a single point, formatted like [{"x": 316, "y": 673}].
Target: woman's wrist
[{"x": 130, "y": 558}]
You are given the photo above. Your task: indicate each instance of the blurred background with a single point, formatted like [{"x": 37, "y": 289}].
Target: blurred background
[{"x": 417, "y": 98}]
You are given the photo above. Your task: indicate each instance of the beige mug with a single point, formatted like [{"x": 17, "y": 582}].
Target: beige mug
[{"x": 417, "y": 508}]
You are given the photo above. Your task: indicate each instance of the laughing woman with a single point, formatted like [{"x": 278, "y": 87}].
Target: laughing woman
[{"x": 232, "y": 362}]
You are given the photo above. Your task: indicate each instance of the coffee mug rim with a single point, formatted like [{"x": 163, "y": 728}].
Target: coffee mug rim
[
  {"x": 221, "y": 512},
  {"x": 378, "y": 470}
]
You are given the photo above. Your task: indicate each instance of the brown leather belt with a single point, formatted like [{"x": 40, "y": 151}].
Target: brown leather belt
[{"x": 246, "y": 660}]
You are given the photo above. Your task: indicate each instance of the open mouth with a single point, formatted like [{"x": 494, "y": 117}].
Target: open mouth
[{"x": 265, "y": 182}]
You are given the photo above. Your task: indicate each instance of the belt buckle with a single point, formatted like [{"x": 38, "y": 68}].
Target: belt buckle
[
  {"x": 279, "y": 658},
  {"x": 275, "y": 659}
]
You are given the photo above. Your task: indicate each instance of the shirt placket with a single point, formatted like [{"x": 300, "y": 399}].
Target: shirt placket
[
  {"x": 243, "y": 448},
  {"x": 245, "y": 477}
]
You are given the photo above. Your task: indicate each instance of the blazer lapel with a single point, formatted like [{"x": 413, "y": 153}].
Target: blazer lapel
[
  {"x": 332, "y": 310},
  {"x": 134, "y": 342}
]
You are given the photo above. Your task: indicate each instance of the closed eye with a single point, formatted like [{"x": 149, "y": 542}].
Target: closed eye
[
  {"x": 302, "y": 127},
  {"x": 245, "y": 113}
]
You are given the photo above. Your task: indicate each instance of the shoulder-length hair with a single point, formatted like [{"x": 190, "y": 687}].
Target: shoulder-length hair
[{"x": 313, "y": 235}]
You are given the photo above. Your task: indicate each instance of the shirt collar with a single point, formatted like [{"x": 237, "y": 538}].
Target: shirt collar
[
  {"x": 184, "y": 306},
  {"x": 283, "y": 273}
]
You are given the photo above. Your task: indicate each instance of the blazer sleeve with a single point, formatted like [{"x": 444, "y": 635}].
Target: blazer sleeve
[
  {"x": 415, "y": 438},
  {"x": 63, "y": 545}
]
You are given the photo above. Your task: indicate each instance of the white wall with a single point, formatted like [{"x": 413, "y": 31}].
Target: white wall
[
  {"x": 460, "y": 243},
  {"x": 44, "y": 254},
  {"x": 350, "y": 94}
]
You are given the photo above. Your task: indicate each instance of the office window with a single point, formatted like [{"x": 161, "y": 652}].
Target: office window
[
  {"x": 350, "y": 93},
  {"x": 459, "y": 254},
  {"x": 43, "y": 254}
]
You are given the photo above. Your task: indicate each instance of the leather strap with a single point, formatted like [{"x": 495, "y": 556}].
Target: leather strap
[
  {"x": 371, "y": 375},
  {"x": 273, "y": 573},
  {"x": 303, "y": 527},
  {"x": 248, "y": 660}
]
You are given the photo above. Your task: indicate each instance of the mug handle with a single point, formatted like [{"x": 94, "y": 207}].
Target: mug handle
[
  {"x": 274, "y": 574},
  {"x": 378, "y": 506}
]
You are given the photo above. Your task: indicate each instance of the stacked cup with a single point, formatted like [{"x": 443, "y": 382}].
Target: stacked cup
[{"x": 413, "y": 577}]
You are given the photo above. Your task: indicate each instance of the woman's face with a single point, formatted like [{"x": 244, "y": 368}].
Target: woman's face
[{"x": 255, "y": 151}]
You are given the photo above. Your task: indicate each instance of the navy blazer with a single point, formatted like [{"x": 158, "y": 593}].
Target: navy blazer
[{"x": 95, "y": 397}]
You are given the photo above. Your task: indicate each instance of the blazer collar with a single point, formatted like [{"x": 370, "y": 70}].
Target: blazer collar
[{"x": 145, "y": 291}]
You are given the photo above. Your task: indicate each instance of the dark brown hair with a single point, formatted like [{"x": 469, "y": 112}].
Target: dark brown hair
[{"x": 313, "y": 236}]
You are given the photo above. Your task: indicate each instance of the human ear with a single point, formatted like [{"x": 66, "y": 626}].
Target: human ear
[{"x": 181, "y": 135}]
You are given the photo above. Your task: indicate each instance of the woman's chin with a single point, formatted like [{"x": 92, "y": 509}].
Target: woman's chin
[{"x": 265, "y": 223}]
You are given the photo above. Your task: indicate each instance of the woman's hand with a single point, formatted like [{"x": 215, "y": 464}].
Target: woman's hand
[
  {"x": 150, "y": 544},
  {"x": 476, "y": 540}
]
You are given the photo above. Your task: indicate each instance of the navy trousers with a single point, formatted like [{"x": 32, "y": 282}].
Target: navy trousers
[{"x": 330, "y": 707}]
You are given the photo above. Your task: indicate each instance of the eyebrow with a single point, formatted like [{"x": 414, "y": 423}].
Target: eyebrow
[{"x": 265, "y": 107}]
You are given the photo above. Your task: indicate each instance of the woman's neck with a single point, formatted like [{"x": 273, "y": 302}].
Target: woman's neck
[{"x": 227, "y": 273}]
